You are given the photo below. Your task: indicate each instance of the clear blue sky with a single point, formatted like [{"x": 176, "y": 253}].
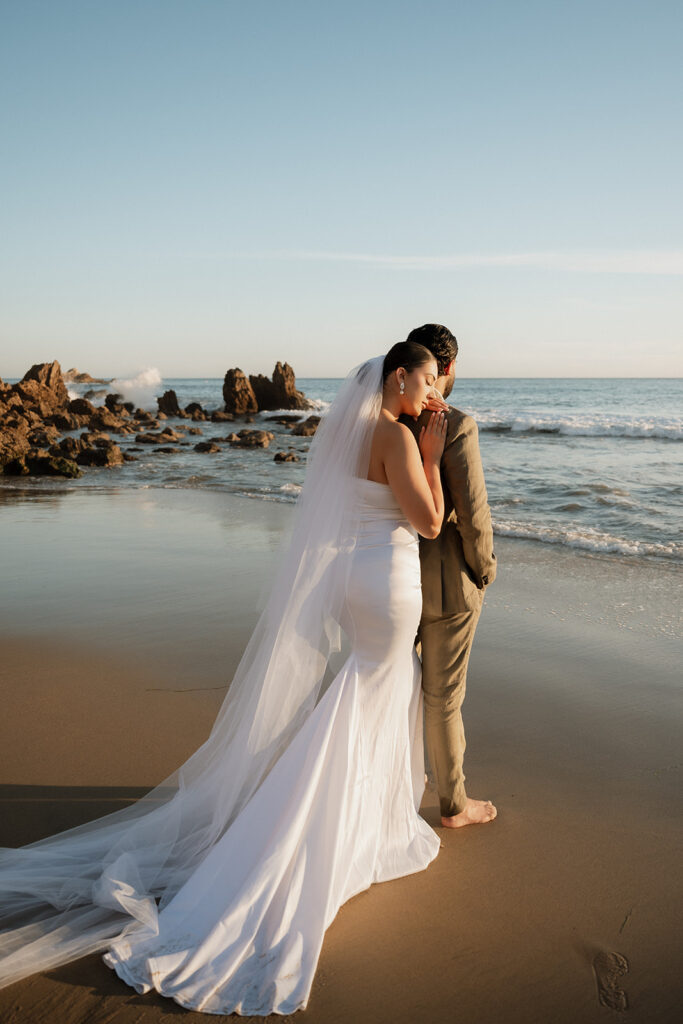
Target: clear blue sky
[{"x": 209, "y": 183}]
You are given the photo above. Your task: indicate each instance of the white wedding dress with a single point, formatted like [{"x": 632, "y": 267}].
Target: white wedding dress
[{"x": 336, "y": 813}]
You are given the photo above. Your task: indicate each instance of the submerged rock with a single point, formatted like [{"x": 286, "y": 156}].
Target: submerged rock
[
  {"x": 107, "y": 454},
  {"x": 149, "y": 438},
  {"x": 206, "y": 446},
  {"x": 195, "y": 411},
  {"x": 286, "y": 457},
  {"x": 307, "y": 428},
  {"x": 252, "y": 439},
  {"x": 169, "y": 434}
]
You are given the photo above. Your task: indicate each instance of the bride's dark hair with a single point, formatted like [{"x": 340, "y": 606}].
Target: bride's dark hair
[{"x": 408, "y": 354}]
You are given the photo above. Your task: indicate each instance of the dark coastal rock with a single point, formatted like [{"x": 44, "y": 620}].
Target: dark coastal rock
[
  {"x": 206, "y": 446},
  {"x": 148, "y": 438},
  {"x": 35, "y": 397},
  {"x": 280, "y": 392},
  {"x": 18, "y": 418},
  {"x": 238, "y": 394},
  {"x": 286, "y": 421},
  {"x": 307, "y": 428},
  {"x": 66, "y": 421},
  {"x": 43, "y": 437},
  {"x": 166, "y": 449},
  {"x": 195, "y": 411},
  {"x": 129, "y": 458},
  {"x": 253, "y": 439},
  {"x": 168, "y": 403},
  {"x": 169, "y": 434},
  {"x": 39, "y": 462},
  {"x": 13, "y": 445},
  {"x": 95, "y": 393},
  {"x": 194, "y": 430},
  {"x": 81, "y": 407},
  {"x": 108, "y": 454},
  {"x": 69, "y": 447},
  {"x": 50, "y": 385},
  {"x": 286, "y": 457},
  {"x": 74, "y": 376},
  {"x": 103, "y": 419},
  {"x": 115, "y": 404},
  {"x": 217, "y": 416}
]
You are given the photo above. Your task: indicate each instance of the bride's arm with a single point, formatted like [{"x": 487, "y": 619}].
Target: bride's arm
[{"x": 417, "y": 486}]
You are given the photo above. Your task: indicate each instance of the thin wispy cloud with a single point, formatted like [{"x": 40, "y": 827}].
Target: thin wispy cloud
[{"x": 624, "y": 261}]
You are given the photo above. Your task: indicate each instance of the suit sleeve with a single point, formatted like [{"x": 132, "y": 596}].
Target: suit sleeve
[{"x": 463, "y": 475}]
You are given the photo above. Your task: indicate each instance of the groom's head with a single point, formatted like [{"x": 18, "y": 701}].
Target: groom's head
[{"x": 444, "y": 347}]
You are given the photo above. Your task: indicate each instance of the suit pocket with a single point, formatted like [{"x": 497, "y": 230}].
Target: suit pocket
[{"x": 459, "y": 591}]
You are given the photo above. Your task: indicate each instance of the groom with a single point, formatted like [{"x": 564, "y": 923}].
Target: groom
[{"x": 456, "y": 569}]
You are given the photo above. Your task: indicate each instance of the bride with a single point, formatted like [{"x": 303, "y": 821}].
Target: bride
[{"x": 216, "y": 888}]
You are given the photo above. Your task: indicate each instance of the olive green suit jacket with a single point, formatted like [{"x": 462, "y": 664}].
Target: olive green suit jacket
[{"x": 460, "y": 563}]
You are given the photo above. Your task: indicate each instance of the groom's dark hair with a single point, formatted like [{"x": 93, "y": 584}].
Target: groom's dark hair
[{"x": 440, "y": 342}]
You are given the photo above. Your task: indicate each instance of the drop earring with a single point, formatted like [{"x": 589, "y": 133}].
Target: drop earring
[{"x": 402, "y": 388}]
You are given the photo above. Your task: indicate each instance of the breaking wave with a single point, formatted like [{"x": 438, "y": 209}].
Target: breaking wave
[
  {"x": 142, "y": 389},
  {"x": 668, "y": 428},
  {"x": 588, "y": 539}
]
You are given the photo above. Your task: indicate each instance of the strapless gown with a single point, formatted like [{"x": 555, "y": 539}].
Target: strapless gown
[{"x": 338, "y": 812}]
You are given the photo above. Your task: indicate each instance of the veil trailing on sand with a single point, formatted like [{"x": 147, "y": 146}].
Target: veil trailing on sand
[{"x": 75, "y": 892}]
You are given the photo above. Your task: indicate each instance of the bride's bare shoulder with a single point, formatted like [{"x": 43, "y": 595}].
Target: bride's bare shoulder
[{"x": 389, "y": 433}]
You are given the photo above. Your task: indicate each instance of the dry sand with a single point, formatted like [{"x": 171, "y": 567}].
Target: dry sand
[{"x": 572, "y": 730}]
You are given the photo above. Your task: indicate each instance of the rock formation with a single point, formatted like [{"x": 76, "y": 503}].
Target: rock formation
[
  {"x": 280, "y": 392},
  {"x": 168, "y": 403},
  {"x": 36, "y": 410},
  {"x": 73, "y": 376},
  {"x": 238, "y": 394}
]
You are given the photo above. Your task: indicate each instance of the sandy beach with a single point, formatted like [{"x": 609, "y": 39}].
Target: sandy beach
[{"x": 122, "y": 617}]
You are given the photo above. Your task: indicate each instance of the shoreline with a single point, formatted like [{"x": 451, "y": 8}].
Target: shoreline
[{"x": 140, "y": 606}]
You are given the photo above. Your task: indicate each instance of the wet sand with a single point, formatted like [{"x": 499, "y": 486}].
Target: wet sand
[{"x": 122, "y": 616}]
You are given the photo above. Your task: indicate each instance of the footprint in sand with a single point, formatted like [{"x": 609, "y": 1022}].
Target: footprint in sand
[{"x": 608, "y": 968}]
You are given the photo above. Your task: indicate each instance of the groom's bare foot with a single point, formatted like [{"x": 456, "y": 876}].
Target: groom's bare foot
[{"x": 475, "y": 812}]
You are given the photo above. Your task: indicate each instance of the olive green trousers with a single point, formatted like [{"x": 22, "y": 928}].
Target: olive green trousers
[{"x": 444, "y": 645}]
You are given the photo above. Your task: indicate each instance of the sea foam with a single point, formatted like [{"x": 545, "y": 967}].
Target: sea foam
[
  {"x": 587, "y": 539},
  {"x": 142, "y": 389},
  {"x": 668, "y": 428}
]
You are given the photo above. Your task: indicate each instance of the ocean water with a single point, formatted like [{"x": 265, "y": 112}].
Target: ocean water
[{"x": 589, "y": 464}]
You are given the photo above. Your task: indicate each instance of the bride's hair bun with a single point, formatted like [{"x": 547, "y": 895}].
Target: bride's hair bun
[{"x": 408, "y": 354}]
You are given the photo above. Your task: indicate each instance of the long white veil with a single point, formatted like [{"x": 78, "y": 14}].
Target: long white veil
[{"x": 74, "y": 893}]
